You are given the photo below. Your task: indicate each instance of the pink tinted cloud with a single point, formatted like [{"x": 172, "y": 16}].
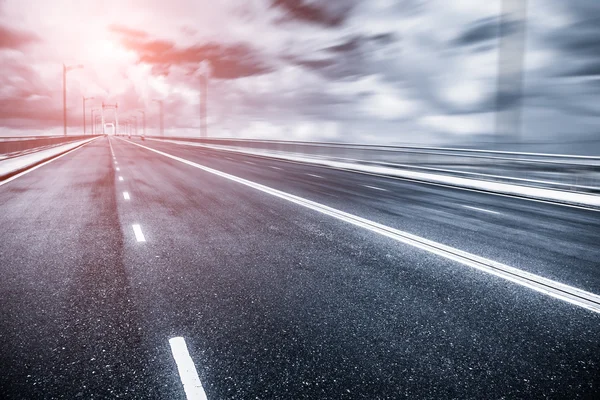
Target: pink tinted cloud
[
  {"x": 227, "y": 61},
  {"x": 15, "y": 39}
]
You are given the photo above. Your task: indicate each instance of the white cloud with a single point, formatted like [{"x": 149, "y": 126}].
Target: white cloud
[
  {"x": 461, "y": 124},
  {"x": 388, "y": 106}
]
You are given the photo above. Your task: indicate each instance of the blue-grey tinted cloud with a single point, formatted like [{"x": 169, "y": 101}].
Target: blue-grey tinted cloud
[
  {"x": 582, "y": 46},
  {"x": 485, "y": 30},
  {"x": 331, "y": 13}
]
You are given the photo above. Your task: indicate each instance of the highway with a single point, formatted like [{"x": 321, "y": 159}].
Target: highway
[{"x": 111, "y": 250}]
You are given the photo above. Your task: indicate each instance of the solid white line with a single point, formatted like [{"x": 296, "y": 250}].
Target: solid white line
[
  {"x": 126, "y": 196},
  {"x": 138, "y": 233},
  {"x": 111, "y": 148},
  {"x": 316, "y": 176},
  {"x": 12, "y": 178},
  {"x": 120, "y": 178},
  {"x": 187, "y": 370},
  {"x": 538, "y": 283},
  {"x": 276, "y": 168},
  {"x": 482, "y": 209},
  {"x": 375, "y": 187}
]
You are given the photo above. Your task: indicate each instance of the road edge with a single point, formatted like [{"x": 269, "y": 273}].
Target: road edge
[{"x": 5, "y": 178}]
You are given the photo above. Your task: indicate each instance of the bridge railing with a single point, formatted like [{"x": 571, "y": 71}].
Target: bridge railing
[
  {"x": 10, "y": 145},
  {"x": 564, "y": 172}
]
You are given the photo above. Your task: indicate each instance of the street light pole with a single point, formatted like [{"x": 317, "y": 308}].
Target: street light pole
[
  {"x": 93, "y": 121},
  {"x": 203, "y": 106},
  {"x": 84, "y": 100},
  {"x": 162, "y": 116},
  {"x": 65, "y": 70},
  {"x": 144, "y": 123},
  {"x": 64, "y": 100},
  {"x": 135, "y": 124},
  {"x": 204, "y": 74}
]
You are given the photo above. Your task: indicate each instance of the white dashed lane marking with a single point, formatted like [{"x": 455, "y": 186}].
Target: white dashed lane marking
[
  {"x": 481, "y": 209},
  {"x": 187, "y": 370},
  {"x": 137, "y": 230},
  {"x": 126, "y": 195},
  {"x": 375, "y": 188}
]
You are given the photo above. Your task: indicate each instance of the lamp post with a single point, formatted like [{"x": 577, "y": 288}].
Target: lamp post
[
  {"x": 84, "y": 100},
  {"x": 144, "y": 122},
  {"x": 65, "y": 70},
  {"x": 204, "y": 75},
  {"x": 94, "y": 120},
  {"x": 162, "y": 116},
  {"x": 135, "y": 124},
  {"x": 98, "y": 122}
]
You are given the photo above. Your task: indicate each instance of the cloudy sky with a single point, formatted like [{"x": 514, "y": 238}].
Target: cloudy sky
[{"x": 401, "y": 71}]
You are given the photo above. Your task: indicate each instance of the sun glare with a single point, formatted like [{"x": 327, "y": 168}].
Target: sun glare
[
  {"x": 104, "y": 51},
  {"x": 107, "y": 49}
]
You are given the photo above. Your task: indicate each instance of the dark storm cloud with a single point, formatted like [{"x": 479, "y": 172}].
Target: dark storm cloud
[
  {"x": 356, "y": 43},
  {"x": 330, "y": 13},
  {"x": 579, "y": 44},
  {"x": 384, "y": 38},
  {"x": 351, "y": 44},
  {"x": 484, "y": 30},
  {"x": 347, "y": 59},
  {"x": 331, "y": 67},
  {"x": 14, "y": 39},
  {"x": 586, "y": 68},
  {"x": 581, "y": 38},
  {"x": 227, "y": 61},
  {"x": 315, "y": 64}
]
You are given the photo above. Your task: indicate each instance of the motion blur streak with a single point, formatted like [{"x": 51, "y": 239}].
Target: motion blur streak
[
  {"x": 555, "y": 289},
  {"x": 299, "y": 199}
]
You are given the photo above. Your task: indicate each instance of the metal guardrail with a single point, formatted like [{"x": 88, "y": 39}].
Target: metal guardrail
[
  {"x": 9, "y": 145},
  {"x": 563, "y": 172}
]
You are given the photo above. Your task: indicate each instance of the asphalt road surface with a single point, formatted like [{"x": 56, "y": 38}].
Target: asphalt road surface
[{"x": 112, "y": 250}]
